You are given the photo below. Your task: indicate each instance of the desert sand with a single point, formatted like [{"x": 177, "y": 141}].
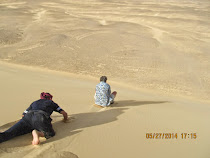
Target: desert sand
[{"x": 154, "y": 53}]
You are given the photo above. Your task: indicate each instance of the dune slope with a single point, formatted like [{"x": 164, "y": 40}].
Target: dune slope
[{"x": 117, "y": 131}]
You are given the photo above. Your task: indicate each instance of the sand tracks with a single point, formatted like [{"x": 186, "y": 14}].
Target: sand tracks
[{"x": 10, "y": 36}]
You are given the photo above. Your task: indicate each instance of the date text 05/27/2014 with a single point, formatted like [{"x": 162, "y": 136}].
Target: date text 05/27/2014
[{"x": 171, "y": 136}]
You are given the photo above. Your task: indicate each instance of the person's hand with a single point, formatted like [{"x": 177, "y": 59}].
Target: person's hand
[
  {"x": 65, "y": 121},
  {"x": 65, "y": 116},
  {"x": 70, "y": 119}
]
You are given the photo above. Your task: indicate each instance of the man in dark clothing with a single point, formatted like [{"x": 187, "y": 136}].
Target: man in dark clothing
[{"x": 36, "y": 119}]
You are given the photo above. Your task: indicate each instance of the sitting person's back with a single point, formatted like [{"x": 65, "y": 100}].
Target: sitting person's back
[{"x": 103, "y": 95}]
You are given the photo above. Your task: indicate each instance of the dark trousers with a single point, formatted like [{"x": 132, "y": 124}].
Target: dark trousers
[
  {"x": 41, "y": 121},
  {"x": 32, "y": 120},
  {"x": 20, "y": 128}
]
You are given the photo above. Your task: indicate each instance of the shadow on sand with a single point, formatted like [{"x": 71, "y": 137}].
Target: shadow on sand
[
  {"x": 91, "y": 119},
  {"x": 79, "y": 122},
  {"x": 127, "y": 103}
]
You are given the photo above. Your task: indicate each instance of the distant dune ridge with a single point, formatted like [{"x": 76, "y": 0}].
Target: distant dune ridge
[{"x": 159, "y": 45}]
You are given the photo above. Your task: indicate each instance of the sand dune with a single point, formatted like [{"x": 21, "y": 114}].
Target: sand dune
[
  {"x": 155, "y": 54},
  {"x": 117, "y": 131}
]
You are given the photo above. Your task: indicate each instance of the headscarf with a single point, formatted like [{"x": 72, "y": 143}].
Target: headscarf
[{"x": 47, "y": 96}]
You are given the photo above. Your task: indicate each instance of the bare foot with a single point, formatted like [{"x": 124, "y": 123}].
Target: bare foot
[
  {"x": 114, "y": 93},
  {"x": 35, "y": 137}
]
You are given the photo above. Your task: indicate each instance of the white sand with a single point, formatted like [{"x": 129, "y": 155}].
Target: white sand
[{"x": 154, "y": 53}]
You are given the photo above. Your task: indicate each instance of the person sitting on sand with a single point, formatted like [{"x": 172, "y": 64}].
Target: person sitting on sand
[
  {"x": 36, "y": 119},
  {"x": 103, "y": 96}
]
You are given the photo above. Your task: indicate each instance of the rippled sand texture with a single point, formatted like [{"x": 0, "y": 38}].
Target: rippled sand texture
[{"x": 158, "y": 45}]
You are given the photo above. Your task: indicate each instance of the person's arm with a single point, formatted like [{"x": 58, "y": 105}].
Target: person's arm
[
  {"x": 61, "y": 111},
  {"x": 65, "y": 115}
]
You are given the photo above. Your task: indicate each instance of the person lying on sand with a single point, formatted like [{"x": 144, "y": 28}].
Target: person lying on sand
[
  {"x": 36, "y": 119},
  {"x": 103, "y": 96}
]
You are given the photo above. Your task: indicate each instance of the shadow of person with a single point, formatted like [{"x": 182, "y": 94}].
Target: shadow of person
[
  {"x": 85, "y": 120},
  {"x": 81, "y": 121},
  {"x": 91, "y": 119},
  {"x": 127, "y": 103}
]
